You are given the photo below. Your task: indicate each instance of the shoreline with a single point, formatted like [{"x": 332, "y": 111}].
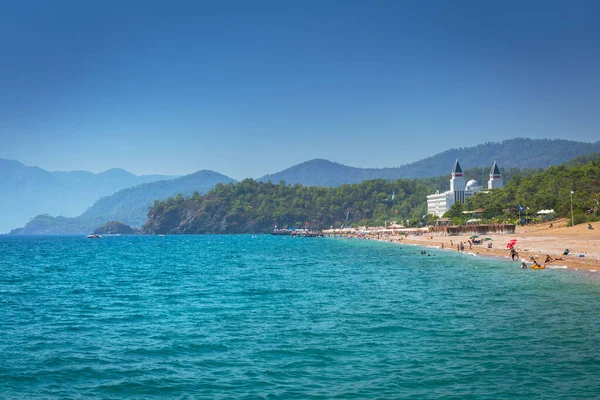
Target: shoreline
[
  {"x": 535, "y": 241},
  {"x": 491, "y": 255}
]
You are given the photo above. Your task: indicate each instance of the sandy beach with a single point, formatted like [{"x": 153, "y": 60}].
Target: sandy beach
[{"x": 532, "y": 240}]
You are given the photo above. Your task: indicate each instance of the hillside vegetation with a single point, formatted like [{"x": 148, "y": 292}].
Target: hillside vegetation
[
  {"x": 254, "y": 207},
  {"x": 550, "y": 189}
]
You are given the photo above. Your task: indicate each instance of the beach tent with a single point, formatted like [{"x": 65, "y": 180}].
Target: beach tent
[{"x": 545, "y": 212}]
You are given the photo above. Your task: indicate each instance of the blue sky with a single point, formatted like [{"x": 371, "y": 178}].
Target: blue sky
[{"x": 249, "y": 88}]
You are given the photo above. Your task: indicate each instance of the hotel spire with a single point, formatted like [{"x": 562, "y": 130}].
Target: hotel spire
[
  {"x": 495, "y": 181},
  {"x": 457, "y": 169},
  {"x": 457, "y": 183}
]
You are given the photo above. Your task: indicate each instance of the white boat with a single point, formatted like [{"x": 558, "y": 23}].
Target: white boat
[{"x": 93, "y": 236}]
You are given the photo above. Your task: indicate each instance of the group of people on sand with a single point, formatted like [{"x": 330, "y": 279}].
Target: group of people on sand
[
  {"x": 459, "y": 247},
  {"x": 514, "y": 255}
]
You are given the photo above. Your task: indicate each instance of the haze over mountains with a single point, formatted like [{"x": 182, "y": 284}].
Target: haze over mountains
[
  {"x": 29, "y": 191},
  {"x": 128, "y": 205}
]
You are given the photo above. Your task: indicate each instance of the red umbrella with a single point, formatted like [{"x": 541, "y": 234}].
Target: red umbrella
[{"x": 511, "y": 243}]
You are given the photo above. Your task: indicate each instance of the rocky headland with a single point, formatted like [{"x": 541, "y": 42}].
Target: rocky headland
[{"x": 115, "y": 228}]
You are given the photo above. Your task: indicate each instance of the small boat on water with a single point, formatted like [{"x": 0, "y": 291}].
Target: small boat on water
[{"x": 93, "y": 236}]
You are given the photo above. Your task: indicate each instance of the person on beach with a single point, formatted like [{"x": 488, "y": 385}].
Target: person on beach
[
  {"x": 442, "y": 245},
  {"x": 552, "y": 259},
  {"x": 513, "y": 254},
  {"x": 535, "y": 262},
  {"x": 451, "y": 244},
  {"x": 470, "y": 245}
]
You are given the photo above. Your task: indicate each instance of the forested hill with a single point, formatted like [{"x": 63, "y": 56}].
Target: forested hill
[
  {"x": 256, "y": 207},
  {"x": 513, "y": 153},
  {"x": 550, "y": 189}
]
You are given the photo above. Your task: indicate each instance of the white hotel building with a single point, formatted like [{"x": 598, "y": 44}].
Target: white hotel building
[{"x": 439, "y": 203}]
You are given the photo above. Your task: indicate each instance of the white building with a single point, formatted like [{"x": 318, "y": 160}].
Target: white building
[{"x": 439, "y": 203}]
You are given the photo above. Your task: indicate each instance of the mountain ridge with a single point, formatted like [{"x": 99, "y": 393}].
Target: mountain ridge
[
  {"x": 30, "y": 190},
  {"x": 510, "y": 153},
  {"x": 129, "y": 206}
]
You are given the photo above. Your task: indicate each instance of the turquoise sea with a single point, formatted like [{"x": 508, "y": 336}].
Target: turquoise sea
[{"x": 243, "y": 317}]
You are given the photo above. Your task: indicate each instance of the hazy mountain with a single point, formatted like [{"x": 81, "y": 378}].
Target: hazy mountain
[
  {"x": 28, "y": 191},
  {"x": 512, "y": 153},
  {"x": 129, "y": 206},
  {"x": 319, "y": 172}
]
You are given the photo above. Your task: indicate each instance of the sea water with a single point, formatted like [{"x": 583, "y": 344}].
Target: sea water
[{"x": 222, "y": 317}]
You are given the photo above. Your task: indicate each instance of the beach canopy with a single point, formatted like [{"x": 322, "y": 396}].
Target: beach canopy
[
  {"x": 487, "y": 239},
  {"x": 544, "y": 212},
  {"x": 473, "y": 236}
]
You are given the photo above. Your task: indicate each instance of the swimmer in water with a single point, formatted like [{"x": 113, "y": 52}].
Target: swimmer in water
[{"x": 523, "y": 265}]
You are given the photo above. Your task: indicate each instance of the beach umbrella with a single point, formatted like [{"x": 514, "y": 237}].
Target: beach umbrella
[
  {"x": 511, "y": 243},
  {"x": 487, "y": 239},
  {"x": 473, "y": 236}
]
